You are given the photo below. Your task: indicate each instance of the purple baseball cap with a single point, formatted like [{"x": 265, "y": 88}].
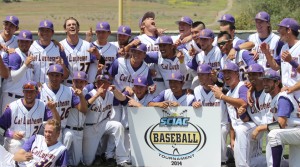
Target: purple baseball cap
[
  {"x": 12, "y": 19},
  {"x": 103, "y": 77},
  {"x": 164, "y": 40},
  {"x": 145, "y": 16},
  {"x": 289, "y": 23},
  {"x": 204, "y": 69},
  {"x": 80, "y": 75},
  {"x": 185, "y": 19},
  {"x": 46, "y": 24},
  {"x": 264, "y": 16},
  {"x": 30, "y": 85},
  {"x": 56, "y": 68},
  {"x": 141, "y": 47},
  {"x": 124, "y": 30},
  {"x": 271, "y": 74},
  {"x": 230, "y": 67},
  {"x": 255, "y": 68},
  {"x": 207, "y": 33},
  {"x": 175, "y": 76},
  {"x": 227, "y": 18},
  {"x": 25, "y": 35},
  {"x": 103, "y": 26},
  {"x": 140, "y": 81}
]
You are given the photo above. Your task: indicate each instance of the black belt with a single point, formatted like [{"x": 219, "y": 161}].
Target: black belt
[
  {"x": 74, "y": 128},
  {"x": 69, "y": 81},
  {"x": 158, "y": 79},
  {"x": 89, "y": 124},
  {"x": 14, "y": 95}
]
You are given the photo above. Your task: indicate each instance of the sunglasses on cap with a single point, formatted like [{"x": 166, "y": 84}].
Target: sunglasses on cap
[
  {"x": 222, "y": 43},
  {"x": 29, "y": 87}
]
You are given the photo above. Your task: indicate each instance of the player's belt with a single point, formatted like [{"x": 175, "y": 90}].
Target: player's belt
[
  {"x": 14, "y": 95},
  {"x": 89, "y": 124},
  {"x": 158, "y": 79},
  {"x": 75, "y": 128}
]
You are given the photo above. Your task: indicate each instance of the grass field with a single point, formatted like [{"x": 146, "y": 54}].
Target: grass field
[{"x": 31, "y": 12}]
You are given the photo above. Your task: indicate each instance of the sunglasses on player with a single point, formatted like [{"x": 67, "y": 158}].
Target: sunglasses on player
[{"x": 222, "y": 43}]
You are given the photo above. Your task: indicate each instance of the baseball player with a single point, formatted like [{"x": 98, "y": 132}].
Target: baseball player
[
  {"x": 106, "y": 49},
  {"x": 64, "y": 97},
  {"x": 174, "y": 96},
  {"x": 196, "y": 28},
  {"x": 205, "y": 97},
  {"x": 124, "y": 71},
  {"x": 46, "y": 53},
  {"x": 285, "y": 130},
  {"x": 24, "y": 117},
  {"x": 7, "y": 38},
  {"x": 264, "y": 35},
  {"x": 81, "y": 55},
  {"x": 288, "y": 62},
  {"x": 98, "y": 123},
  {"x": 242, "y": 58},
  {"x": 21, "y": 70},
  {"x": 75, "y": 123},
  {"x": 123, "y": 36},
  {"x": 39, "y": 150},
  {"x": 184, "y": 37},
  {"x": 241, "y": 126}
]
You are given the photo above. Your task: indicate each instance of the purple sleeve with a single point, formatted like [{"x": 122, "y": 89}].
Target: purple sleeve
[
  {"x": 47, "y": 114},
  {"x": 151, "y": 57},
  {"x": 5, "y": 119},
  {"x": 28, "y": 143},
  {"x": 5, "y": 59},
  {"x": 62, "y": 160},
  {"x": 248, "y": 58},
  {"x": 125, "y": 102},
  {"x": 93, "y": 58},
  {"x": 116, "y": 102},
  {"x": 14, "y": 61},
  {"x": 160, "y": 97},
  {"x": 243, "y": 93},
  {"x": 279, "y": 47},
  {"x": 113, "y": 70},
  {"x": 75, "y": 100},
  {"x": 87, "y": 97},
  {"x": 285, "y": 107},
  {"x": 149, "y": 78},
  {"x": 89, "y": 87},
  {"x": 193, "y": 64},
  {"x": 64, "y": 57}
]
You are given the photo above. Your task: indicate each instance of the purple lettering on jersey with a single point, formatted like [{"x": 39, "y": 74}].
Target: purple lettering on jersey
[{"x": 126, "y": 78}]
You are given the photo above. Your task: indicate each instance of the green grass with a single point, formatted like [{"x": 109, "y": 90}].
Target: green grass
[{"x": 88, "y": 13}]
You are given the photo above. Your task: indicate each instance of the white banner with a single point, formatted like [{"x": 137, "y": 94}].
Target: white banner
[{"x": 181, "y": 136}]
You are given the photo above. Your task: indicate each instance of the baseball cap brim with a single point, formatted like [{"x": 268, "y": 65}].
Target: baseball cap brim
[
  {"x": 140, "y": 84},
  {"x": 122, "y": 33},
  {"x": 10, "y": 22}
]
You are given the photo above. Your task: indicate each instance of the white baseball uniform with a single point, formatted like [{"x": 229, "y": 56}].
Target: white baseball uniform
[
  {"x": 207, "y": 98},
  {"x": 289, "y": 75},
  {"x": 109, "y": 52},
  {"x": 235, "y": 40},
  {"x": 97, "y": 124},
  {"x": 43, "y": 58},
  {"x": 289, "y": 135},
  {"x": 80, "y": 60},
  {"x": 12, "y": 43},
  {"x": 12, "y": 86},
  {"x": 271, "y": 40},
  {"x": 167, "y": 95},
  {"x": 243, "y": 144},
  {"x": 17, "y": 118}
]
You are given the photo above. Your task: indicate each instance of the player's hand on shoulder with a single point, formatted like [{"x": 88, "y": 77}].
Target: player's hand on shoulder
[
  {"x": 197, "y": 104},
  {"x": 177, "y": 42},
  {"x": 56, "y": 43},
  {"x": 231, "y": 54},
  {"x": 186, "y": 39}
]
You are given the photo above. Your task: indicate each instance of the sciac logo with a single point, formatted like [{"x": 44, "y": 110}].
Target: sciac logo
[{"x": 175, "y": 136}]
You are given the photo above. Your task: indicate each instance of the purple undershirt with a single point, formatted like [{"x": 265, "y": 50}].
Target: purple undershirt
[{"x": 285, "y": 107}]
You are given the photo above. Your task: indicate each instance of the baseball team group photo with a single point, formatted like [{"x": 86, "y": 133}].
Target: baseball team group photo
[{"x": 189, "y": 90}]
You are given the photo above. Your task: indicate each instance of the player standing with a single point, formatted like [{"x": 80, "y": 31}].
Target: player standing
[{"x": 7, "y": 38}]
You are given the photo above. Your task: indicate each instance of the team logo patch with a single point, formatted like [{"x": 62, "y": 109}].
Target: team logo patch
[
  {"x": 124, "y": 29},
  {"x": 175, "y": 137},
  {"x": 182, "y": 18},
  {"x": 54, "y": 68},
  {"x": 173, "y": 75},
  {"x": 79, "y": 76},
  {"x": 139, "y": 80},
  {"x": 101, "y": 26},
  {"x": 11, "y": 18},
  {"x": 259, "y": 15},
  {"x": 24, "y": 35},
  {"x": 224, "y": 17},
  {"x": 250, "y": 68},
  {"x": 45, "y": 23}
]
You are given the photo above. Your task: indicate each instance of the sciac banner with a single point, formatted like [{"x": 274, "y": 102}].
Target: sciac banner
[{"x": 179, "y": 136}]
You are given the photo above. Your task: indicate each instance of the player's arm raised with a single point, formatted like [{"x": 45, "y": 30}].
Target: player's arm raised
[
  {"x": 265, "y": 48},
  {"x": 52, "y": 107},
  {"x": 82, "y": 106},
  {"x": 118, "y": 95},
  {"x": 97, "y": 94}
]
